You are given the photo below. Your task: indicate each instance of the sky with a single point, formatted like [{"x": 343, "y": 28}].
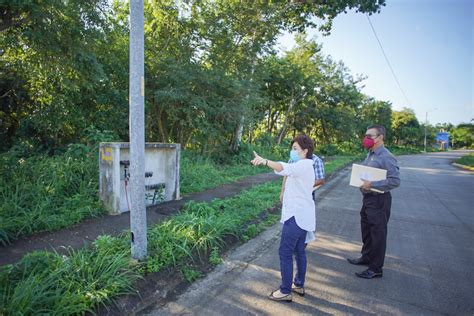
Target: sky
[{"x": 430, "y": 46}]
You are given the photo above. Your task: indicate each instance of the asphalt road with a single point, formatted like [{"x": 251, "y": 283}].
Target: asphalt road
[{"x": 429, "y": 266}]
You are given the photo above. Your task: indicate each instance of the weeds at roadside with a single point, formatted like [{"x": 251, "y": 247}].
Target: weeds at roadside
[
  {"x": 78, "y": 282},
  {"x": 215, "y": 258},
  {"x": 50, "y": 283},
  {"x": 43, "y": 193},
  {"x": 190, "y": 274},
  {"x": 467, "y": 160}
]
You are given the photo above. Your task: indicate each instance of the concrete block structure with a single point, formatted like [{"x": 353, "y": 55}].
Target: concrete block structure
[{"x": 161, "y": 174}]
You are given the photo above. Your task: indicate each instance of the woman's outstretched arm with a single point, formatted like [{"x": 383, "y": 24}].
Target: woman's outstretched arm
[{"x": 258, "y": 161}]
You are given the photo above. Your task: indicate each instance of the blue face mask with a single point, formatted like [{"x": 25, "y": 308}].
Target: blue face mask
[{"x": 294, "y": 155}]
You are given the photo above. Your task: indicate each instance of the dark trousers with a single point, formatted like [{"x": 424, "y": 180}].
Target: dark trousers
[
  {"x": 292, "y": 243},
  {"x": 374, "y": 217}
]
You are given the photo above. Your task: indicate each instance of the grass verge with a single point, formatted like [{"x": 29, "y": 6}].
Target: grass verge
[
  {"x": 44, "y": 193},
  {"x": 48, "y": 283},
  {"x": 467, "y": 160},
  {"x": 44, "y": 282},
  {"x": 335, "y": 163},
  {"x": 200, "y": 176}
]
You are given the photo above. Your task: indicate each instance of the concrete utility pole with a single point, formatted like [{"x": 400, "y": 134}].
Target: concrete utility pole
[
  {"x": 137, "y": 132},
  {"x": 426, "y": 123}
]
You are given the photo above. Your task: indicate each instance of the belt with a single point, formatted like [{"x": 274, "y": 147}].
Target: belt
[{"x": 375, "y": 193}]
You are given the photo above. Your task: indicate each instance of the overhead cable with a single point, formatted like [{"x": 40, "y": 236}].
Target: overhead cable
[{"x": 388, "y": 62}]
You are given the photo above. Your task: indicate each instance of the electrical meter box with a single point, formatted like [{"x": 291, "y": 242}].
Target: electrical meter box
[{"x": 161, "y": 174}]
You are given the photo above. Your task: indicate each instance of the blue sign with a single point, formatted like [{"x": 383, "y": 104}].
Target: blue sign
[{"x": 442, "y": 138}]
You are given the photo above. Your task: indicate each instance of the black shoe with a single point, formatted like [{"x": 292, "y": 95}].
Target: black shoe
[
  {"x": 368, "y": 274},
  {"x": 359, "y": 261}
]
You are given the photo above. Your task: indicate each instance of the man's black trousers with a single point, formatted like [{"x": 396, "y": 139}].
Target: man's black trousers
[{"x": 374, "y": 217}]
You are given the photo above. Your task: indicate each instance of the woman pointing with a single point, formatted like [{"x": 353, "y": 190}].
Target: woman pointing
[{"x": 297, "y": 215}]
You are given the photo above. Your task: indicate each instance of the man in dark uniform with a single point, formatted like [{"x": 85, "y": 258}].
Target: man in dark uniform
[{"x": 375, "y": 211}]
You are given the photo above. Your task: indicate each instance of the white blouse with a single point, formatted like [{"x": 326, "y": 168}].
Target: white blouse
[{"x": 297, "y": 198}]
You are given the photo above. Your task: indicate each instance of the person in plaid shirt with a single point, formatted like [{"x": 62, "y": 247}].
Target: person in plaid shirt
[{"x": 318, "y": 165}]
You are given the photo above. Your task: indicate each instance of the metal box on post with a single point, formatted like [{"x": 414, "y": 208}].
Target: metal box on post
[{"x": 161, "y": 174}]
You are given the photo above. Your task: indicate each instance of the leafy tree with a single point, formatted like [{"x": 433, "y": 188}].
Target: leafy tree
[
  {"x": 331, "y": 111},
  {"x": 376, "y": 112},
  {"x": 462, "y": 135},
  {"x": 310, "y": 93},
  {"x": 406, "y": 128},
  {"x": 64, "y": 69},
  {"x": 49, "y": 49},
  {"x": 235, "y": 36}
]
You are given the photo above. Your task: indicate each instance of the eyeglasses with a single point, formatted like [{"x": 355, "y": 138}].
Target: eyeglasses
[{"x": 371, "y": 136}]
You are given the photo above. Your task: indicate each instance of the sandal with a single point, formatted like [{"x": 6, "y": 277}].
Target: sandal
[
  {"x": 298, "y": 290},
  {"x": 277, "y": 295}
]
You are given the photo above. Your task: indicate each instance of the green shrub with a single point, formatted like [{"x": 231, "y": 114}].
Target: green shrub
[
  {"x": 328, "y": 150},
  {"x": 404, "y": 150},
  {"x": 252, "y": 231},
  {"x": 190, "y": 274},
  {"x": 467, "y": 160},
  {"x": 75, "y": 283},
  {"x": 214, "y": 257},
  {"x": 43, "y": 193}
]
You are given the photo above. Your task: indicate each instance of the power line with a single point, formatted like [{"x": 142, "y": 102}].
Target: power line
[{"x": 388, "y": 62}]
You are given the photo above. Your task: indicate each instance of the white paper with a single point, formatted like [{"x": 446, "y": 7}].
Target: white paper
[
  {"x": 310, "y": 236},
  {"x": 361, "y": 172}
]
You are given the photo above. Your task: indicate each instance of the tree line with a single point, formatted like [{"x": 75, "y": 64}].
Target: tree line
[{"x": 213, "y": 75}]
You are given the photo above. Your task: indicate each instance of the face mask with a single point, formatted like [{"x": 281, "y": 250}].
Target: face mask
[
  {"x": 294, "y": 155},
  {"x": 368, "y": 142}
]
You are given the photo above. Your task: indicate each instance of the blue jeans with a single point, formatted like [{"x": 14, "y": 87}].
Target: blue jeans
[{"x": 292, "y": 242}]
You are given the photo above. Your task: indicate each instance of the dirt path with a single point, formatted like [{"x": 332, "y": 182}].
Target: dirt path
[{"x": 87, "y": 231}]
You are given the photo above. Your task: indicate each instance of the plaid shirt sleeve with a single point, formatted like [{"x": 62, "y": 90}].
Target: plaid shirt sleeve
[{"x": 318, "y": 168}]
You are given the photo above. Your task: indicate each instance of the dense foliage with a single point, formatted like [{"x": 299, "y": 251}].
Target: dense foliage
[{"x": 213, "y": 76}]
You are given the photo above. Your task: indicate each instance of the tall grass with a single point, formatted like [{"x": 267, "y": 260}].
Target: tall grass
[
  {"x": 200, "y": 176},
  {"x": 43, "y": 193},
  {"x": 406, "y": 150},
  {"x": 198, "y": 173},
  {"x": 200, "y": 227},
  {"x": 49, "y": 283}
]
